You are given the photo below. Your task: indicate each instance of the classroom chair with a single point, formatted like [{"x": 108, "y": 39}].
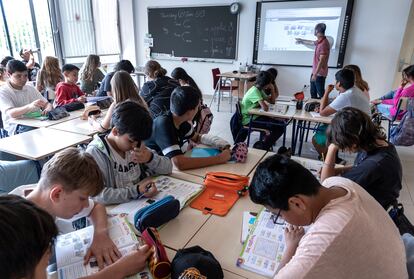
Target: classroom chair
[
  {"x": 244, "y": 130},
  {"x": 393, "y": 121},
  {"x": 221, "y": 85},
  {"x": 3, "y": 132}
]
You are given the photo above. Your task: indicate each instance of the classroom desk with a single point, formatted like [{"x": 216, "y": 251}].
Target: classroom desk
[
  {"x": 179, "y": 231},
  {"x": 77, "y": 126},
  {"x": 221, "y": 236},
  {"x": 46, "y": 123},
  {"x": 240, "y": 77},
  {"x": 253, "y": 158},
  {"x": 288, "y": 116},
  {"x": 39, "y": 143}
]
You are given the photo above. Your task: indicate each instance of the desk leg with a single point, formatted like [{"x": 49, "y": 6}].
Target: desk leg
[
  {"x": 249, "y": 130},
  {"x": 293, "y": 143},
  {"x": 219, "y": 93},
  {"x": 302, "y": 137},
  {"x": 231, "y": 97}
]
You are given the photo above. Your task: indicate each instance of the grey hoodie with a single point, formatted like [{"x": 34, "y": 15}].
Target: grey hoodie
[{"x": 113, "y": 193}]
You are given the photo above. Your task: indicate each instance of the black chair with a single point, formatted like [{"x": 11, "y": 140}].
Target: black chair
[
  {"x": 244, "y": 130},
  {"x": 3, "y": 132}
]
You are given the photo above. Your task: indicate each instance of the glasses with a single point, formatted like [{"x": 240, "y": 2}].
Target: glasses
[{"x": 275, "y": 218}]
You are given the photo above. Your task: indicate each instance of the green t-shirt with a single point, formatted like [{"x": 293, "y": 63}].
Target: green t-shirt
[{"x": 250, "y": 101}]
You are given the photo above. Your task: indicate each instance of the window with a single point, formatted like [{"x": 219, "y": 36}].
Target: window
[
  {"x": 89, "y": 27},
  {"x": 28, "y": 23}
]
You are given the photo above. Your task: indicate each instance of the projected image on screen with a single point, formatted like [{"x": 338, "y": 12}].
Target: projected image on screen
[
  {"x": 284, "y": 25},
  {"x": 280, "y": 25}
]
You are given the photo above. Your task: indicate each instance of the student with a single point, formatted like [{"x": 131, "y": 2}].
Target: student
[
  {"x": 349, "y": 96},
  {"x": 359, "y": 81},
  {"x": 171, "y": 129},
  {"x": 273, "y": 72},
  {"x": 388, "y": 104},
  {"x": 68, "y": 92},
  {"x": 377, "y": 167},
  {"x": 126, "y": 163},
  {"x": 256, "y": 97},
  {"x": 91, "y": 75},
  {"x": 17, "y": 98},
  {"x": 29, "y": 60},
  {"x": 48, "y": 77},
  {"x": 2, "y": 76},
  {"x": 25, "y": 251},
  {"x": 350, "y": 235},
  {"x": 5, "y": 60},
  {"x": 184, "y": 79},
  {"x": 105, "y": 88},
  {"x": 67, "y": 181},
  {"x": 123, "y": 88},
  {"x": 157, "y": 90}
]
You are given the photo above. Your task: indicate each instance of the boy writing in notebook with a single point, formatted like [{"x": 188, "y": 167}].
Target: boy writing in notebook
[
  {"x": 126, "y": 163},
  {"x": 171, "y": 129},
  {"x": 68, "y": 92},
  {"x": 17, "y": 98},
  {"x": 344, "y": 239},
  {"x": 26, "y": 250}
]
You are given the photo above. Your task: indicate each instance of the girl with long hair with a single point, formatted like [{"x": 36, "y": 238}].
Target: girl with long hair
[{"x": 91, "y": 74}]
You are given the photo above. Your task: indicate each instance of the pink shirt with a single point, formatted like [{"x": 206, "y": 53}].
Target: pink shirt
[
  {"x": 322, "y": 47},
  {"x": 352, "y": 237},
  {"x": 401, "y": 92}
]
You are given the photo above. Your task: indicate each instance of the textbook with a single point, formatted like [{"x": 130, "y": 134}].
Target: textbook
[
  {"x": 313, "y": 166},
  {"x": 263, "y": 249},
  {"x": 182, "y": 190},
  {"x": 248, "y": 222},
  {"x": 70, "y": 249}
]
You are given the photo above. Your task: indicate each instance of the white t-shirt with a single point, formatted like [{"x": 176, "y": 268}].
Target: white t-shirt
[
  {"x": 352, "y": 237},
  {"x": 80, "y": 219},
  {"x": 353, "y": 97},
  {"x": 13, "y": 98},
  {"x": 127, "y": 173}
]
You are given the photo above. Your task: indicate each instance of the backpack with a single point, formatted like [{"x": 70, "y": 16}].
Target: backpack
[
  {"x": 403, "y": 134},
  {"x": 204, "y": 119}
]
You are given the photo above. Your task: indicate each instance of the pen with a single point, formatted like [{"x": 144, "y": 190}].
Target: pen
[{"x": 147, "y": 188}]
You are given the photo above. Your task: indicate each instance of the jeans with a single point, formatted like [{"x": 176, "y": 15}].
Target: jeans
[
  {"x": 389, "y": 95},
  {"x": 384, "y": 109},
  {"x": 275, "y": 127},
  {"x": 317, "y": 87},
  {"x": 17, "y": 173}
]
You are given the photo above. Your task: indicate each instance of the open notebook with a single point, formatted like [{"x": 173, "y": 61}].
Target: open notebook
[
  {"x": 70, "y": 249},
  {"x": 183, "y": 191}
]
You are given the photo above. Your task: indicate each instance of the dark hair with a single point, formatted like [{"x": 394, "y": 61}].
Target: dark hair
[
  {"x": 180, "y": 73},
  {"x": 132, "y": 119},
  {"x": 263, "y": 79},
  {"x": 320, "y": 28},
  {"x": 5, "y": 60},
  {"x": 15, "y": 66},
  {"x": 273, "y": 72},
  {"x": 346, "y": 78},
  {"x": 409, "y": 71},
  {"x": 183, "y": 99},
  {"x": 277, "y": 179},
  {"x": 124, "y": 65},
  {"x": 69, "y": 68},
  {"x": 26, "y": 232},
  {"x": 353, "y": 127}
]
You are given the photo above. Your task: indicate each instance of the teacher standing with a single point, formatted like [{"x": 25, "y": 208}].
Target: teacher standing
[{"x": 320, "y": 60}]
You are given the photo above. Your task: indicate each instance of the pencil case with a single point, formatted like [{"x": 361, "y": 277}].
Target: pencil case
[
  {"x": 159, "y": 264},
  {"x": 221, "y": 192},
  {"x": 157, "y": 214}
]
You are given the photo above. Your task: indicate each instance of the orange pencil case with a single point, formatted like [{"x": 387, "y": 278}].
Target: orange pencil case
[{"x": 221, "y": 192}]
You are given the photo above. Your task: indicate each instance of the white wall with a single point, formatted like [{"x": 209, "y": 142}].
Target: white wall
[{"x": 374, "y": 43}]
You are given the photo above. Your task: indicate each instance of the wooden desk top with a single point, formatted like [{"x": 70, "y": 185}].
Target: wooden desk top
[
  {"x": 46, "y": 123},
  {"x": 306, "y": 116},
  {"x": 253, "y": 158},
  {"x": 77, "y": 126},
  {"x": 221, "y": 236},
  {"x": 243, "y": 75},
  {"x": 39, "y": 143},
  {"x": 290, "y": 113}
]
